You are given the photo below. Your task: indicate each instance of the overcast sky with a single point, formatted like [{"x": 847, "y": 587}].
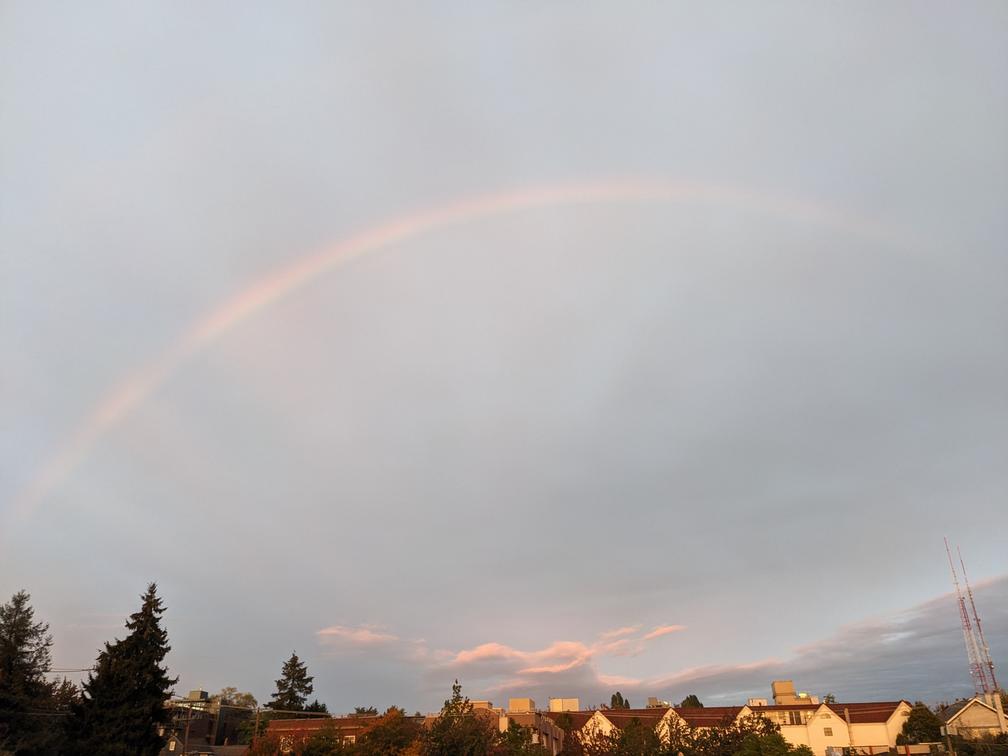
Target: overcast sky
[{"x": 675, "y": 440}]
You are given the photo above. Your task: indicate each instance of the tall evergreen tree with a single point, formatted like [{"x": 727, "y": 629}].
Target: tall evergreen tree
[
  {"x": 293, "y": 687},
  {"x": 25, "y": 694},
  {"x": 122, "y": 710}
]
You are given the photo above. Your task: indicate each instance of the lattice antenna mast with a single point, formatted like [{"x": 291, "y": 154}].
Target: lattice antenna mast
[
  {"x": 977, "y": 671},
  {"x": 985, "y": 657}
]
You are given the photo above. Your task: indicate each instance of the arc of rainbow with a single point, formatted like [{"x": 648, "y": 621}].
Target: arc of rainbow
[{"x": 139, "y": 385}]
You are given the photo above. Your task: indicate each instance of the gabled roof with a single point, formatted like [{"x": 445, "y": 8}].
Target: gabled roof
[
  {"x": 951, "y": 712},
  {"x": 578, "y": 718},
  {"x": 622, "y": 717},
  {"x": 875, "y": 712},
  {"x": 785, "y": 707},
  {"x": 708, "y": 716}
]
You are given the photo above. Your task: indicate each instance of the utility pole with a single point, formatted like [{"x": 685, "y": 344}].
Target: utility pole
[{"x": 185, "y": 741}]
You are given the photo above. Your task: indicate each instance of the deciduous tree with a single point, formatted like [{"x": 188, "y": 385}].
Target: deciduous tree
[
  {"x": 921, "y": 726},
  {"x": 392, "y": 734},
  {"x": 458, "y": 730},
  {"x": 231, "y": 696}
]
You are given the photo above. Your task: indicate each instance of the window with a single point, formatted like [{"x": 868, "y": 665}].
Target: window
[
  {"x": 828, "y": 732},
  {"x": 794, "y": 717}
]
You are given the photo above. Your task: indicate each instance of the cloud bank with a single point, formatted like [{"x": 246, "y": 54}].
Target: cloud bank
[{"x": 915, "y": 653}]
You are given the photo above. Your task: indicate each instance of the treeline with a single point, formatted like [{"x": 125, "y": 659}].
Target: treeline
[
  {"x": 119, "y": 709},
  {"x": 461, "y": 730}
]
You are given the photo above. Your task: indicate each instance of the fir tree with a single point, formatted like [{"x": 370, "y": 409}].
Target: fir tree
[
  {"x": 24, "y": 691},
  {"x": 122, "y": 710},
  {"x": 293, "y": 687}
]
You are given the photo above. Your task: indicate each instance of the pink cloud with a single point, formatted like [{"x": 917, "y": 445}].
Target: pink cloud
[
  {"x": 661, "y": 630},
  {"x": 357, "y": 636},
  {"x": 619, "y": 680},
  {"x": 619, "y": 632}
]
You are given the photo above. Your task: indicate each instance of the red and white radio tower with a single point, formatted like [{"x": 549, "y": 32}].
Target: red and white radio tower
[{"x": 981, "y": 665}]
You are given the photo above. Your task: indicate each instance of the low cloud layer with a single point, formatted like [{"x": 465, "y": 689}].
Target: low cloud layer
[{"x": 916, "y": 653}]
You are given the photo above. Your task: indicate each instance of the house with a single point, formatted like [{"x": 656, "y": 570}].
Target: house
[
  {"x": 869, "y": 727},
  {"x": 830, "y": 728},
  {"x": 975, "y": 718}
]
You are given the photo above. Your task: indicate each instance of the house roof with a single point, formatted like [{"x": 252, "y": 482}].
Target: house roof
[
  {"x": 951, "y": 712},
  {"x": 344, "y": 724},
  {"x": 578, "y": 718},
  {"x": 874, "y": 712},
  {"x": 785, "y": 707},
  {"x": 708, "y": 716},
  {"x": 622, "y": 717},
  {"x": 870, "y": 712}
]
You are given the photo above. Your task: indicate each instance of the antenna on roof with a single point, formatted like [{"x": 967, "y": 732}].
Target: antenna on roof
[{"x": 974, "y": 644}]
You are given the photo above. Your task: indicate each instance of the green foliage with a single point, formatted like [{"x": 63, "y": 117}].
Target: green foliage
[
  {"x": 771, "y": 744},
  {"x": 231, "y": 696},
  {"x": 265, "y": 746},
  {"x": 391, "y": 735},
  {"x": 751, "y": 736},
  {"x": 726, "y": 739},
  {"x": 989, "y": 745},
  {"x": 247, "y": 729},
  {"x": 572, "y": 746},
  {"x": 293, "y": 687},
  {"x": 636, "y": 739},
  {"x": 921, "y": 726},
  {"x": 829, "y": 698},
  {"x": 458, "y": 730},
  {"x": 326, "y": 742},
  {"x": 123, "y": 704},
  {"x": 25, "y": 694},
  {"x": 317, "y": 707},
  {"x": 517, "y": 741},
  {"x": 691, "y": 702},
  {"x": 616, "y": 701},
  {"x": 365, "y": 711}
]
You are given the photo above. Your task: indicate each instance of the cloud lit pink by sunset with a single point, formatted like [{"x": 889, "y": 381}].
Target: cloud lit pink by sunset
[
  {"x": 664, "y": 630},
  {"x": 357, "y": 636}
]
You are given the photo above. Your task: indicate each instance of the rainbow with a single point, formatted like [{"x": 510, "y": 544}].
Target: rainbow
[{"x": 139, "y": 385}]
